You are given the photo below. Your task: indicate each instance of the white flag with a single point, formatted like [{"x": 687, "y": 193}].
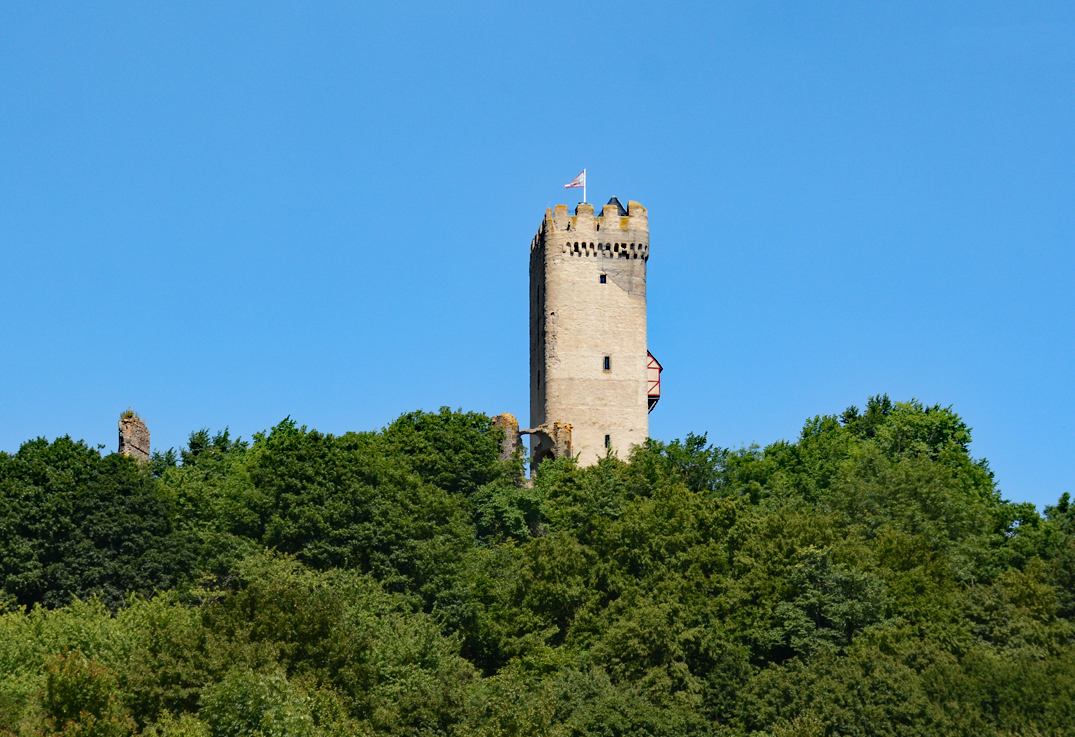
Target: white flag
[{"x": 579, "y": 181}]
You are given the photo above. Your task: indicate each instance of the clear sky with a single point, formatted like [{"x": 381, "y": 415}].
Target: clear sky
[{"x": 223, "y": 214}]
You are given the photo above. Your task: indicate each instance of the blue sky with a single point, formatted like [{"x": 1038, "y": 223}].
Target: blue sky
[{"x": 222, "y": 214}]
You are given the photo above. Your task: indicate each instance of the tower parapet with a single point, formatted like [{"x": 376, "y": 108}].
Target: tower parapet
[{"x": 615, "y": 233}]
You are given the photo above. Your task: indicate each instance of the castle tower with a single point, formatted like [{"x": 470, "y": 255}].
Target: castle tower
[
  {"x": 133, "y": 436},
  {"x": 590, "y": 371}
]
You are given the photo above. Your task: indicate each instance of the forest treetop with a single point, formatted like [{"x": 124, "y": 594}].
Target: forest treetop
[{"x": 866, "y": 579}]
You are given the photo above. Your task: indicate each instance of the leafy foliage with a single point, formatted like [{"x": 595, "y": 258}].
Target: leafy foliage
[
  {"x": 865, "y": 579},
  {"x": 80, "y": 699},
  {"x": 75, "y": 523},
  {"x": 247, "y": 703}
]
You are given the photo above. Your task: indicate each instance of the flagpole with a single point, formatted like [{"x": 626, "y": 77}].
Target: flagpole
[{"x": 583, "y": 185}]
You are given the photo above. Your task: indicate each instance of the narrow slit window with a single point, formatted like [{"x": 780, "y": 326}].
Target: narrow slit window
[
  {"x": 608, "y": 441},
  {"x": 604, "y": 278},
  {"x": 607, "y": 364}
]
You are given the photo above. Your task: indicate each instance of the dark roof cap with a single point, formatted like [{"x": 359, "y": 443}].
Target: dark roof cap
[{"x": 620, "y": 208}]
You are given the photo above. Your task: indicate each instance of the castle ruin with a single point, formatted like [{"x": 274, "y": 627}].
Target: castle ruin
[
  {"x": 592, "y": 380},
  {"x": 133, "y": 437}
]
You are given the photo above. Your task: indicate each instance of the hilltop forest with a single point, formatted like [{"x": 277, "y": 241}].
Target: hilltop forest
[{"x": 866, "y": 579}]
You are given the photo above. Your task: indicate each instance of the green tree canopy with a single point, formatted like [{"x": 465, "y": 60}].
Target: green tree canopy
[{"x": 865, "y": 578}]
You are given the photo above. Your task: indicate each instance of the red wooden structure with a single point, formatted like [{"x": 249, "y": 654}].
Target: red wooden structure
[{"x": 653, "y": 373}]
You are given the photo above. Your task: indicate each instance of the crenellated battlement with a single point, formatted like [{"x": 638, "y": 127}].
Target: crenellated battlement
[
  {"x": 617, "y": 232},
  {"x": 613, "y": 217}
]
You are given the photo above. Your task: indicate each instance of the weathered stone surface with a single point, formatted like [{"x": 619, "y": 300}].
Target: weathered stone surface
[
  {"x": 577, "y": 319},
  {"x": 509, "y": 446},
  {"x": 133, "y": 437},
  {"x": 551, "y": 440}
]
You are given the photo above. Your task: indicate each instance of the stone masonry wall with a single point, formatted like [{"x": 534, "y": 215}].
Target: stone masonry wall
[
  {"x": 577, "y": 320},
  {"x": 509, "y": 444},
  {"x": 133, "y": 437}
]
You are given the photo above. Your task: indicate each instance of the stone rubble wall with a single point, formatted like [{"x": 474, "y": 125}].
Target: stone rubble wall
[{"x": 134, "y": 438}]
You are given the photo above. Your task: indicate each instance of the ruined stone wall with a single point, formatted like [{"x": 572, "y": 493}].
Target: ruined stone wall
[
  {"x": 512, "y": 440},
  {"x": 133, "y": 437},
  {"x": 551, "y": 440},
  {"x": 577, "y": 319}
]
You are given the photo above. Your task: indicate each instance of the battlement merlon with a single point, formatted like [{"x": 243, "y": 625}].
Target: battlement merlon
[{"x": 588, "y": 225}]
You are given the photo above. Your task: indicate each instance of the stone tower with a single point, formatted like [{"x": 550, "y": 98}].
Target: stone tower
[
  {"x": 133, "y": 436},
  {"x": 590, "y": 371}
]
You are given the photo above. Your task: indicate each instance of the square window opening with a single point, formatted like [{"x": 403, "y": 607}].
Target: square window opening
[{"x": 604, "y": 278}]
